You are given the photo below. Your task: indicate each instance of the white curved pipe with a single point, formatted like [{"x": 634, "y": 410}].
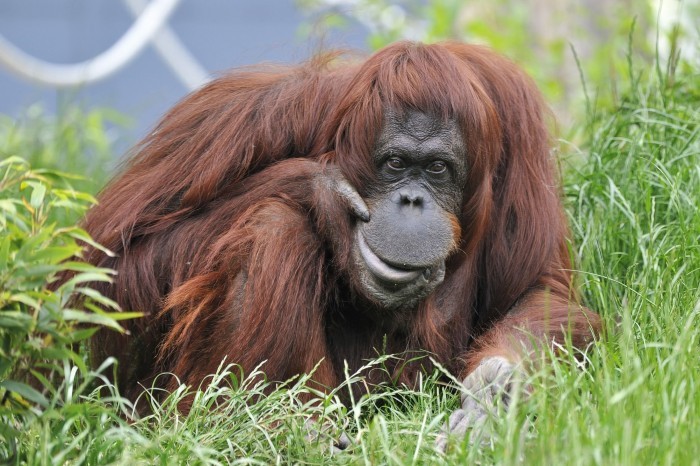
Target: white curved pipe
[
  {"x": 108, "y": 62},
  {"x": 188, "y": 70}
]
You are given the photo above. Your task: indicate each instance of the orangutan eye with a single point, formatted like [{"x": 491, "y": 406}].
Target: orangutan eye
[
  {"x": 437, "y": 167},
  {"x": 395, "y": 163}
]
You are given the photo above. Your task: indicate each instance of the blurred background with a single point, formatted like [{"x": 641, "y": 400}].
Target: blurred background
[
  {"x": 207, "y": 37},
  {"x": 219, "y": 34}
]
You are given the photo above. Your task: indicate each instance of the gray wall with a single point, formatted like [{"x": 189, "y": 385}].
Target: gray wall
[{"x": 221, "y": 34}]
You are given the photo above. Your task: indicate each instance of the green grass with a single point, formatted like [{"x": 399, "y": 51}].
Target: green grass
[{"x": 632, "y": 192}]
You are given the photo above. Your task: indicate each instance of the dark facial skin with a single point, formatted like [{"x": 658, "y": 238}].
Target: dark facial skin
[{"x": 421, "y": 170}]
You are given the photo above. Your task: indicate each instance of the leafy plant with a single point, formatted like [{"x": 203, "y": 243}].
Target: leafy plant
[{"x": 40, "y": 326}]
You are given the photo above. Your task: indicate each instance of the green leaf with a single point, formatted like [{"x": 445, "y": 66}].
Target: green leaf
[
  {"x": 38, "y": 194},
  {"x": 34, "y": 242},
  {"x": 71, "y": 194},
  {"x": 85, "y": 267},
  {"x": 89, "y": 318},
  {"x": 55, "y": 254},
  {"x": 14, "y": 160},
  {"x": 16, "y": 320},
  {"x": 56, "y": 352},
  {"x": 4, "y": 251},
  {"x": 42, "y": 270},
  {"x": 116, "y": 315},
  {"x": 7, "y": 431},
  {"x": 25, "y": 299},
  {"x": 25, "y": 391},
  {"x": 83, "y": 333},
  {"x": 97, "y": 297},
  {"x": 9, "y": 205},
  {"x": 5, "y": 364},
  {"x": 82, "y": 235},
  {"x": 58, "y": 174},
  {"x": 84, "y": 277}
]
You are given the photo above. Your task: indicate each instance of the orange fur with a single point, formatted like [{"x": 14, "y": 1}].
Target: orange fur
[{"x": 226, "y": 242}]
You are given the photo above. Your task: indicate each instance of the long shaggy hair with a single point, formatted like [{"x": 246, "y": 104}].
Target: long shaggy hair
[{"x": 221, "y": 241}]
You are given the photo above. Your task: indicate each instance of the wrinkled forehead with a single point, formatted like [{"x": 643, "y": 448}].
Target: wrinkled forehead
[{"x": 420, "y": 127}]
